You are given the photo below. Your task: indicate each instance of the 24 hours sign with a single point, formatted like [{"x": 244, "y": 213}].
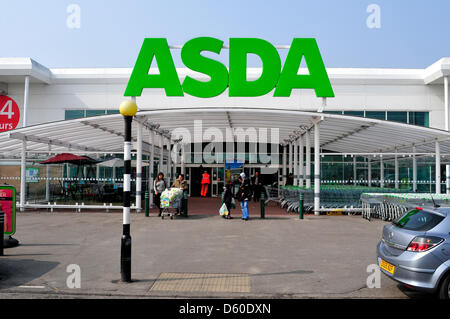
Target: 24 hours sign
[{"x": 9, "y": 113}]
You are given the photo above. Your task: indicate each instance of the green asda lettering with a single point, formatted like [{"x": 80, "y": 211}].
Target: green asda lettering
[{"x": 274, "y": 76}]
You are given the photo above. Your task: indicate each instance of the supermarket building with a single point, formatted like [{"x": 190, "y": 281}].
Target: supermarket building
[{"x": 385, "y": 127}]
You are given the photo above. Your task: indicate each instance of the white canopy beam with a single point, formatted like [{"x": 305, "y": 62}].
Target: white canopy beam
[{"x": 48, "y": 141}]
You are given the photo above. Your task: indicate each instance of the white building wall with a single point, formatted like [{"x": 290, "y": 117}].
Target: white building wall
[{"x": 48, "y": 102}]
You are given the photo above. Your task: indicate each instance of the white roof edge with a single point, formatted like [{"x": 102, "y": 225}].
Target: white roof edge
[
  {"x": 437, "y": 70},
  {"x": 65, "y": 75},
  {"x": 27, "y": 66}
]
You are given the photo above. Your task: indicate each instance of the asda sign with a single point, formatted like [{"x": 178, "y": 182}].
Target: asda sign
[{"x": 275, "y": 76}]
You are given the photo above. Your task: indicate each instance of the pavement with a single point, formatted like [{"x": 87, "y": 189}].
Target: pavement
[{"x": 207, "y": 256}]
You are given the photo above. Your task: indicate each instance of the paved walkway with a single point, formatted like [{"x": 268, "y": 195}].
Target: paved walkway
[
  {"x": 210, "y": 206},
  {"x": 201, "y": 256}
]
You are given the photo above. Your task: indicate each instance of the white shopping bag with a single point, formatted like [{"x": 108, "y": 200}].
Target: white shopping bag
[{"x": 223, "y": 211}]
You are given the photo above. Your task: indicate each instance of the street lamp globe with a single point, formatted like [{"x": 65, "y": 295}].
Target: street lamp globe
[{"x": 128, "y": 108}]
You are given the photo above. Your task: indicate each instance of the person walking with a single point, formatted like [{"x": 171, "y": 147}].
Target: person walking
[
  {"x": 205, "y": 184},
  {"x": 159, "y": 185},
  {"x": 256, "y": 186},
  {"x": 244, "y": 195},
  {"x": 228, "y": 199}
]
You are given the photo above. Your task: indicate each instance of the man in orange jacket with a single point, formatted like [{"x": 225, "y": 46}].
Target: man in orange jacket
[{"x": 205, "y": 183}]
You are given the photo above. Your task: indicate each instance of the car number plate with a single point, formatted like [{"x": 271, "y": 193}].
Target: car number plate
[{"x": 387, "y": 266}]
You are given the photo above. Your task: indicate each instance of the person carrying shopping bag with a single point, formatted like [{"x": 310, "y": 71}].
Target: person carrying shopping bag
[
  {"x": 228, "y": 199},
  {"x": 244, "y": 195}
]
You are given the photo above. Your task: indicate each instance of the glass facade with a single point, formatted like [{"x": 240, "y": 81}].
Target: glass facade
[
  {"x": 415, "y": 118},
  {"x": 77, "y": 114},
  {"x": 401, "y": 117}
]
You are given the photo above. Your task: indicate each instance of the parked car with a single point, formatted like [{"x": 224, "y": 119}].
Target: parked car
[{"x": 415, "y": 250}]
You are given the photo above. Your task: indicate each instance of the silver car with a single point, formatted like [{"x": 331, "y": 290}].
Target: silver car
[{"x": 415, "y": 250}]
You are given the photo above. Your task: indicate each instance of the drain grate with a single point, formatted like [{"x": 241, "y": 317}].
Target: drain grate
[{"x": 193, "y": 282}]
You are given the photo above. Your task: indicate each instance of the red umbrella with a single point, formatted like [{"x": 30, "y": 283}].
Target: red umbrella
[{"x": 69, "y": 158}]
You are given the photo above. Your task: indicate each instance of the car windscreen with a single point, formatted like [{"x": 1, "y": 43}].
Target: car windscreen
[{"x": 418, "y": 220}]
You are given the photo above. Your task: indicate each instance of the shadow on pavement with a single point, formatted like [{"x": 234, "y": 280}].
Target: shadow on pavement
[
  {"x": 16, "y": 272},
  {"x": 190, "y": 217},
  {"x": 413, "y": 294}
]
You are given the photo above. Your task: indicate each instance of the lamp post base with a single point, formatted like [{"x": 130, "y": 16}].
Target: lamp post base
[{"x": 125, "y": 255}]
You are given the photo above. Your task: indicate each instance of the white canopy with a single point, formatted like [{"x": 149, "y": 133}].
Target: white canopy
[{"x": 338, "y": 133}]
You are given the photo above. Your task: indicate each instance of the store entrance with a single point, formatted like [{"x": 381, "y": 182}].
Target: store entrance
[{"x": 196, "y": 178}]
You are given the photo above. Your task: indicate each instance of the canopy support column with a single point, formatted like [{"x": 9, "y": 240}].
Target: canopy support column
[
  {"x": 302, "y": 163},
  {"x": 308, "y": 160},
  {"x": 175, "y": 160},
  {"x": 47, "y": 180},
  {"x": 25, "y": 101},
  {"x": 396, "y": 183},
  {"x": 151, "y": 167},
  {"x": 182, "y": 159},
  {"x": 291, "y": 148},
  {"x": 161, "y": 154},
  {"x": 438, "y": 168},
  {"x": 316, "y": 169},
  {"x": 369, "y": 172},
  {"x": 354, "y": 170},
  {"x": 284, "y": 165},
  {"x": 414, "y": 170},
  {"x": 139, "y": 168},
  {"x": 381, "y": 172},
  {"x": 447, "y": 127},
  {"x": 97, "y": 173},
  {"x": 169, "y": 162},
  {"x": 23, "y": 177},
  {"x": 296, "y": 163}
]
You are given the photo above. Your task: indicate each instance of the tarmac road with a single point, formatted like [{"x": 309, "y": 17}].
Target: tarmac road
[{"x": 282, "y": 256}]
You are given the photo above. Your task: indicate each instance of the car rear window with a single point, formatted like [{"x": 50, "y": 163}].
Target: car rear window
[{"x": 419, "y": 220}]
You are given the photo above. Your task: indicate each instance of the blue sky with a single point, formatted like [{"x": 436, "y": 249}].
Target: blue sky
[{"x": 413, "y": 33}]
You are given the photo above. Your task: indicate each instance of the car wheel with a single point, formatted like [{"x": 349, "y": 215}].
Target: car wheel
[{"x": 444, "y": 291}]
